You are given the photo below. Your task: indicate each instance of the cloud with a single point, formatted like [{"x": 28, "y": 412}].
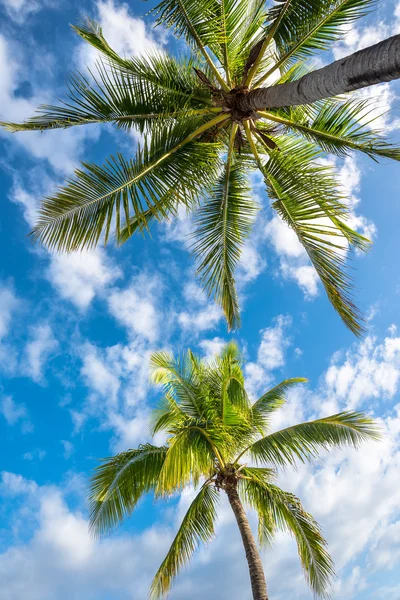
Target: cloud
[
  {"x": 80, "y": 276},
  {"x": 275, "y": 340},
  {"x": 69, "y": 449},
  {"x": 369, "y": 370},
  {"x": 61, "y": 148},
  {"x": 200, "y": 313},
  {"x": 63, "y": 560},
  {"x": 8, "y": 305},
  {"x": 380, "y": 97},
  {"x": 294, "y": 263},
  {"x": 212, "y": 347},
  {"x": 98, "y": 373},
  {"x": 118, "y": 381},
  {"x": 40, "y": 347},
  {"x": 20, "y": 10},
  {"x": 12, "y": 484},
  {"x": 127, "y": 35},
  {"x": 37, "y": 453},
  {"x": 135, "y": 306},
  {"x": 15, "y": 413}
]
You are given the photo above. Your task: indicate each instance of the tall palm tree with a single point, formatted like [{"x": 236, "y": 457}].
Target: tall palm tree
[
  {"x": 207, "y": 121},
  {"x": 218, "y": 441}
]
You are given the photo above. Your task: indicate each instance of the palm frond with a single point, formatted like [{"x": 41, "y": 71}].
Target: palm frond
[
  {"x": 271, "y": 401},
  {"x": 199, "y": 23},
  {"x": 251, "y": 489},
  {"x": 112, "y": 96},
  {"x": 338, "y": 127},
  {"x": 275, "y": 21},
  {"x": 166, "y": 171},
  {"x": 279, "y": 510},
  {"x": 222, "y": 224},
  {"x": 311, "y": 25},
  {"x": 306, "y": 198},
  {"x": 304, "y": 441},
  {"x": 157, "y": 72},
  {"x": 179, "y": 378},
  {"x": 191, "y": 455},
  {"x": 119, "y": 482},
  {"x": 242, "y": 27},
  {"x": 197, "y": 527}
]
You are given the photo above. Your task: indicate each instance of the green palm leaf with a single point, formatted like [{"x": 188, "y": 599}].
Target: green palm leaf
[
  {"x": 197, "y": 527},
  {"x": 306, "y": 199},
  {"x": 190, "y": 455},
  {"x": 272, "y": 400},
  {"x": 279, "y": 510},
  {"x": 119, "y": 482},
  {"x": 303, "y": 442},
  {"x": 170, "y": 162},
  {"x": 222, "y": 224},
  {"x": 115, "y": 97},
  {"x": 335, "y": 127},
  {"x": 311, "y": 25},
  {"x": 199, "y": 23}
]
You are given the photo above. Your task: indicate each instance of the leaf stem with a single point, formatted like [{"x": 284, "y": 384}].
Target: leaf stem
[
  {"x": 203, "y": 49},
  {"x": 265, "y": 45},
  {"x": 189, "y": 138}
]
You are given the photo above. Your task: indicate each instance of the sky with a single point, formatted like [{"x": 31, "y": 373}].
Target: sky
[{"x": 76, "y": 332}]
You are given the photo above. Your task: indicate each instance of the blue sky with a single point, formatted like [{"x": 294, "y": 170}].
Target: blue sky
[{"x": 76, "y": 332}]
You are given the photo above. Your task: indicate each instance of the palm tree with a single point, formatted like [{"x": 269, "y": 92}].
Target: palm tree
[
  {"x": 206, "y": 122},
  {"x": 217, "y": 441}
]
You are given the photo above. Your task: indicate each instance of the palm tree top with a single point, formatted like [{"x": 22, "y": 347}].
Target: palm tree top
[
  {"x": 246, "y": 98},
  {"x": 217, "y": 440}
]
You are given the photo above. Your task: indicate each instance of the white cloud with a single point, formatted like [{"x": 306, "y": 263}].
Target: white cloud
[
  {"x": 8, "y": 305},
  {"x": 199, "y": 312},
  {"x": 271, "y": 354},
  {"x": 284, "y": 239},
  {"x": 118, "y": 380},
  {"x": 135, "y": 306},
  {"x": 80, "y": 276},
  {"x": 98, "y": 373},
  {"x": 294, "y": 262},
  {"x": 274, "y": 342},
  {"x": 20, "y": 10},
  {"x": 39, "y": 348},
  {"x": 212, "y": 347},
  {"x": 12, "y": 484},
  {"x": 63, "y": 560},
  {"x": 251, "y": 263},
  {"x": 14, "y": 413},
  {"x": 368, "y": 370},
  {"x": 127, "y": 35},
  {"x": 61, "y": 148},
  {"x": 179, "y": 229},
  {"x": 68, "y": 447},
  {"x": 37, "y": 453},
  {"x": 198, "y": 320},
  {"x": 380, "y": 97}
]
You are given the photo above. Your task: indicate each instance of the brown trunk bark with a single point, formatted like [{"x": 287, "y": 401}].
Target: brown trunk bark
[
  {"x": 376, "y": 64},
  {"x": 257, "y": 578}
]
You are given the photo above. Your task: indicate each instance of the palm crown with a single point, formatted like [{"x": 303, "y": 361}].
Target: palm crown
[
  {"x": 201, "y": 141},
  {"x": 217, "y": 440}
]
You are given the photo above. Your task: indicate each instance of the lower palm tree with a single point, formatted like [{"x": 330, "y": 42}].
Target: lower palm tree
[
  {"x": 218, "y": 442},
  {"x": 246, "y": 98}
]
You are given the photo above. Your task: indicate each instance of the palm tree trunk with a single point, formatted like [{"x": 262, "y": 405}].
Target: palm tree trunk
[
  {"x": 364, "y": 68},
  {"x": 258, "y": 584}
]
